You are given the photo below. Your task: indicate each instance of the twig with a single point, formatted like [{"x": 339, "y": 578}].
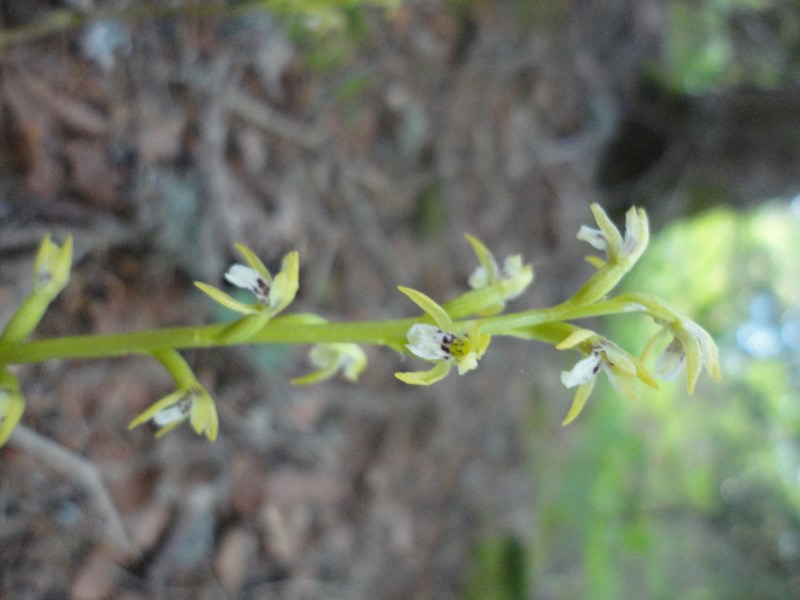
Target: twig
[{"x": 79, "y": 470}]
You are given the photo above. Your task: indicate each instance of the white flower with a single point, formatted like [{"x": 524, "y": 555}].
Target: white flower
[
  {"x": 604, "y": 355},
  {"x": 609, "y": 239},
  {"x": 440, "y": 344}
]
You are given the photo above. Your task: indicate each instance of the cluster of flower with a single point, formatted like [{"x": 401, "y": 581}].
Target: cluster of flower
[{"x": 456, "y": 334}]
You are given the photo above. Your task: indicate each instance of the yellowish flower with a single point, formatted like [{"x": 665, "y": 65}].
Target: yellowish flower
[
  {"x": 194, "y": 404},
  {"x": 51, "y": 270},
  {"x": 189, "y": 402},
  {"x": 621, "y": 252},
  {"x": 608, "y": 238},
  {"x": 508, "y": 282},
  {"x": 691, "y": 348},
  {"x": 330, "y": 358},
  {"x": 272, "y": 294},
  {"x": 600, "y": 354},
  {"x": 441, "y": 343}
]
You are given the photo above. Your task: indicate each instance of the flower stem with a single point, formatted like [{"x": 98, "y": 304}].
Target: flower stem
[{"x": 379, "y": 333}]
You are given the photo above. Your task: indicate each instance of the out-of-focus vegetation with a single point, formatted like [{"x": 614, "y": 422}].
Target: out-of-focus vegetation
[
  {"x": 715, "y": 44},
  {"x": 691, "y": 497}
]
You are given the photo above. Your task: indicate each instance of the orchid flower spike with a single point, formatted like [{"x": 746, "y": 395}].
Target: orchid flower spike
[
  {"x": 600, "y": 354},
  {"x": 441, "y": 343}
]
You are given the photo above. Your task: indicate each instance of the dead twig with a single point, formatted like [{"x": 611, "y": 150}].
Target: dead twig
[{"x": 80, "y": 470}]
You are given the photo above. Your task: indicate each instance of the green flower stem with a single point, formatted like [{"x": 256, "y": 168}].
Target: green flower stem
[
  {"x": 504, "y": 324},
  {"x": 388, "y": 333},
  {"x": 380, "y": 333}
]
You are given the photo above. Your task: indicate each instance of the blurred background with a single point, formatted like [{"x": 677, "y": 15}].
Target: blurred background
[{"x": 370, "y": 136}]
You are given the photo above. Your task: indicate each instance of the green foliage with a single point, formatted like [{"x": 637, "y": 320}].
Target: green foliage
[
  {"x": 714, "y": 44},
  {"x": 674, "y": 497},
  {"x": 499, "y": 571}
]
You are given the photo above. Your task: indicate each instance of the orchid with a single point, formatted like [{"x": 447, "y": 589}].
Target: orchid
[
  {"x": 51, "y": 270},
  {"x": 194, "y": 404},
  {"x": 331, "y": 358},
  {"x": 621, "y": 252},
  {"x": 455, "y": 334},
  {"x": 608, "y": 238},
  {"x": 189, "y": 401},
  {"x": 272, "y": 294},
  {"x": 691, "y": 348},
  {"x": 600, "y": 354},
  {"x": 441, "y": 343},
  {"x": 505, "y": 283}
]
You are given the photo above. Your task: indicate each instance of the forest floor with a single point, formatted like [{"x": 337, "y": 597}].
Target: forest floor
[{"x": 160, "y": 142}]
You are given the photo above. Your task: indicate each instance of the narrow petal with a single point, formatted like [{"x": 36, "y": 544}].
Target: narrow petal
[
  {"x": 575, "y": 338},
  {"x": 316, "y": 376},
  {"x": 225, "y": 300},
  {"x": 437, "y": 313},
  {"x": 435, "y": 374},
  {"x": 610, "y": 231},
  {"x": 12, "y": 405},
  {"x": 488, "y": 271},
  {"x": 255, "y": 263},
  {"x": 593, "y": 237},
  {"x": 154, "y": 409},
  {"x": 579, "y": 401}
]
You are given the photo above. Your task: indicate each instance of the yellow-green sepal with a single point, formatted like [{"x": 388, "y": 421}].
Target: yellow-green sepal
[
  {"x": 579, "y": 401},
  {"x": 12, "y": 404},
  {"x": 437, "y": 373},
  {"x": 431, "y": 307},
  {"x": 226, "y": 300}
]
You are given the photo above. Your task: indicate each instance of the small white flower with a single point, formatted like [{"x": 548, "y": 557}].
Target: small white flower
[
  {"x": 439, "y": 344},
  {"x": 511, "y": 280},
  {"x": 608, "y": 238}
]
